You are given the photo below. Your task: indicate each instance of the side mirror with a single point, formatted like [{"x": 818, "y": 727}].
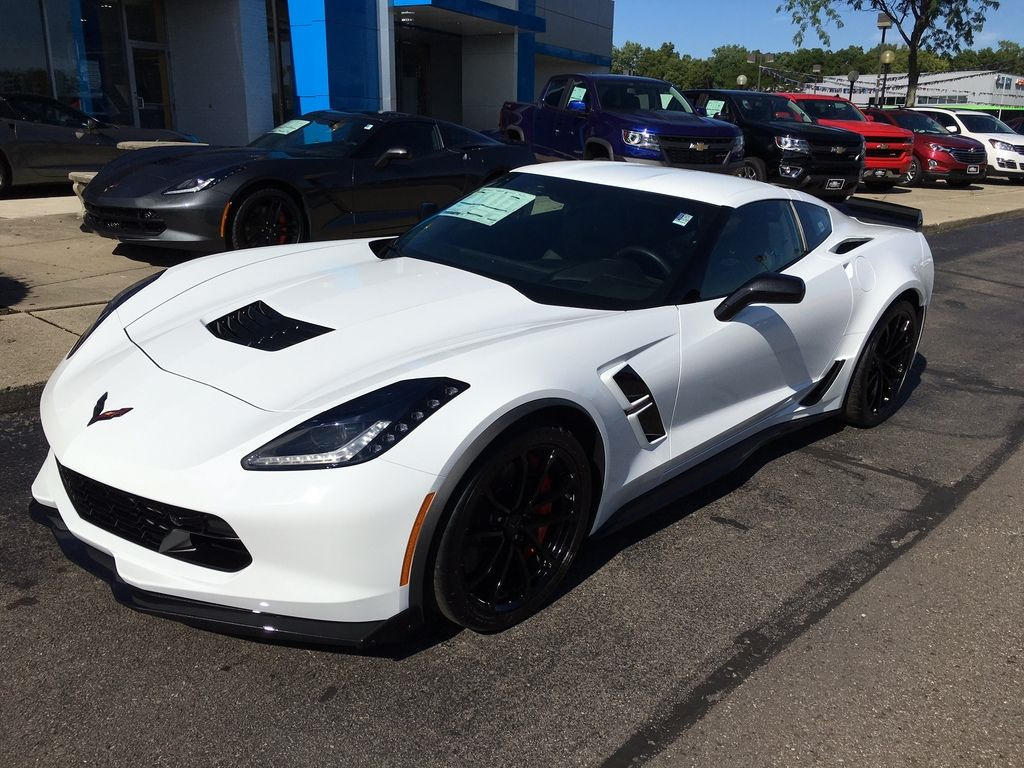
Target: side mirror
[
  {"x": 395, "y": 153},
  {"x": 701, "y": 111},
  {"x": 952, "y": 128},
  {"x": 768, "y": 288},
  {"x": 576, "y": 105},
  {"x": 871, "y": 118},
  {"x": 425, "y": 211}
]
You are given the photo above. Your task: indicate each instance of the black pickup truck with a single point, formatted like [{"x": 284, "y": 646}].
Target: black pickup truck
[
  {"x": 784, "y": 146},
  {"x": 621, "y": 117}
]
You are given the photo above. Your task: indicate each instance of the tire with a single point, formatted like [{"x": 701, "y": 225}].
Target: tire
[
  {"x": 879, "y": 186},
  {"x": 915, "y": 175},
  {"x": 596, "y": 153},
  {"x": 753, "y": 169},
  {"x": 958, "y": 184},
  {"x": 497, "y": 563},
  {"x": 878, "y": 379},
  {"x": 5, "y": 176},
  {"x": 266, "y": 216}
]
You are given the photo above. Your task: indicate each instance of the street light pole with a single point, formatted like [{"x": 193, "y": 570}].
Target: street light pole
[
  {"x": 887, "y": 57},
  {"x": 884, "y": 23},
  {"x": 853, "y": 75}
]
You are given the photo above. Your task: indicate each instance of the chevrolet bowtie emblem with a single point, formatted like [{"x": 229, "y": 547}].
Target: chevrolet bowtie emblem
[
  {"x": 883, "y": 146},
  {"x": 838, "y": 150},
  {"x": 98, "y": 414},
  {"x": 698, "y": 145}
]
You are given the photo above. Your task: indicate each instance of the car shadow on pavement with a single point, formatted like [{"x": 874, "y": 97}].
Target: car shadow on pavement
[
  {"x": 12, "y": 291},
  {"x": 34, "y": 191},
  {"x": 157, "y": 257}
]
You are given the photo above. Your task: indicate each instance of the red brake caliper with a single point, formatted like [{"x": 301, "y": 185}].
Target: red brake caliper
[{"x": 282, "y": 229}]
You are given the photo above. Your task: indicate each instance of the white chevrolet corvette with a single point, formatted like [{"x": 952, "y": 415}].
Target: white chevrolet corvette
[{"x": 327, "y": 441}]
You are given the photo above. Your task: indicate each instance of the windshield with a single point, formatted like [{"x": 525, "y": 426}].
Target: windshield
[
  {"x": 829, "y": 109},
  {"x": 762, "y": 107},
  {"x": 983, "y": 124},
  {"x": 630, "y": 96},
  {"x": 918, "y": 123},
  {"x": 319, "y": 134},
  {"x": 570, "y": 243}
]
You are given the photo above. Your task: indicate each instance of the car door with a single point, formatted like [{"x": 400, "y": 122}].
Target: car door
[
  {"x": 547, "y": 115},
  {"x": 736, "y": 374},
  {"x": 387, "y": 197},
  {"x": 570, "y": 123}
]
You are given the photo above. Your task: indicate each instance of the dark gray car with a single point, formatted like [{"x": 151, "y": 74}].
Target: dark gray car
[{"x": 42, "y": 140}]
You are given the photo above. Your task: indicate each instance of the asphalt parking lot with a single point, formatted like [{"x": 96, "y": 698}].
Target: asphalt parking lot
[{"x": 846, "y": 597}]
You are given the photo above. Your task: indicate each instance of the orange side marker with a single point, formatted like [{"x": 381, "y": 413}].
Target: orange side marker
[{"x": 410, "y": 548}]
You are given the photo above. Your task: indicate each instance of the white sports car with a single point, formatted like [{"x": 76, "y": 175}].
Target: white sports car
[{"x": 327, "y": 441}]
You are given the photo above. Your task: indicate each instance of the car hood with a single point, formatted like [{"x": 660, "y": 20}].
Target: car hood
[
  {"x": 816, "y": 133},
  {"x": 387, "y": 318},
  {"x": 674, "y": 122},
  {"x": 1008, "y": 138},
  {"x": 161, "y": 165},
  {"x": 867, "y": 128},
  {"x": 949, "y": 140}
]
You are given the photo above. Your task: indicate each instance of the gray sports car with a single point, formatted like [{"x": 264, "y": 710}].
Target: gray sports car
[
  {"x": 42, "y": 140},
  {"x": 324, "y": 176}
]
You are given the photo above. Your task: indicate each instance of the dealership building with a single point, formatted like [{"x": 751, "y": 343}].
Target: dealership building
[{"x": 228, "y": 70}]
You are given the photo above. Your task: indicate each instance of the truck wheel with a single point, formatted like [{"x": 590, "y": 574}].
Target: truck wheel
[
  {"x": 595, "y": 152},
  {"x": 754, "y": 169}
]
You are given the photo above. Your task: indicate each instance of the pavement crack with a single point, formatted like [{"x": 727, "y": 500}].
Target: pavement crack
[
  {"x": 814, "y": 601},
  {"x": 55, "y": 325}
]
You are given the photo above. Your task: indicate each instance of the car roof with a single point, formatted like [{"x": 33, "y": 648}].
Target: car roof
[
  {"x": 825, "y": 96},
  {"x": 713, "y": 188}
]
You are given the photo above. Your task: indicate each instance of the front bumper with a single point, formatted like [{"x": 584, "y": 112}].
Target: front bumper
[
  {"x": 884, "y": 174},
  {"x": 192, "y": 224},
  {"x": 219, "y": 618}
]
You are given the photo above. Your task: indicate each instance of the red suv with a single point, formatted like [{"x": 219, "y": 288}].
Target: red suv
[
  {"x": 888, "y": 150},
  {"x": 938, "y": 154}
]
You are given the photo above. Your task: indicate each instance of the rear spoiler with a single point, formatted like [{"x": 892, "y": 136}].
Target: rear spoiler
[{"x": 877, "y": 212}]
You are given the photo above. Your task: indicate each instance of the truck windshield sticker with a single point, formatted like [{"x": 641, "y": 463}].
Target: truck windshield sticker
[
  {"x": 683, "y": 219},
  {"x": 578, "y": 93},
  {"x": 714, "y": 107},
  {"x": 290, "y": 127},
  {"x": 489, "y": 205}
]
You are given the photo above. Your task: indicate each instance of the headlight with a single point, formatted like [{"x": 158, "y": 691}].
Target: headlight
[
  {"x": 359, "y": 430},
  {"x": 737, "y": 143},
  {"x": 114, "y": 303},
  {"x": 793, "y": 144},
  {"x": 1002, "y": 145},
  {"x": 199, "y": 183},
  {"x": 641, "y": 139},
  {"x": 939, "y": 147}
]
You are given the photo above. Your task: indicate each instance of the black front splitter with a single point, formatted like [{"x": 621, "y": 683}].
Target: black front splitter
[{"x": 219, "y": 618}]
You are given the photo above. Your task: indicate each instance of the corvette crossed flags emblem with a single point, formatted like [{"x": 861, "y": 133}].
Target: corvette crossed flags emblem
[{"x": 98, "y": 414}]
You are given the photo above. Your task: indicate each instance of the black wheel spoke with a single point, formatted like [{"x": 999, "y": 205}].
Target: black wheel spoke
[{"x": 544, "y": 474}]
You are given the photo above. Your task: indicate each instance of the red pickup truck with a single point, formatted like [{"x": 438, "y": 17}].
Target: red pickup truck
[{"x": 888, "y": 150}]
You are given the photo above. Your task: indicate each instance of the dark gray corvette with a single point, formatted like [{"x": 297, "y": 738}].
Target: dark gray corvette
[
  {"x": 324, "y": 176},
  {"x": 42, "y": 140}
]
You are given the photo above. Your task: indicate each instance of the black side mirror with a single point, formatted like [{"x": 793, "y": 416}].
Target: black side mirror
[
  {"x": 425, "y": 211},
  {"x": 767, "y": 288},
  {"x": 395, "y": 153}
]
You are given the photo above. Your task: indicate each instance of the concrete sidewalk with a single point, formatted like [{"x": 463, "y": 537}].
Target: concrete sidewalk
[{"x": 55, "y": 279}]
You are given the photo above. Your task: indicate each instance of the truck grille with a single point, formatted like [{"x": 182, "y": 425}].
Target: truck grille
[
  {"x": 195, "y": 537},
  {"x": 686, "y": 150},
  {"x": 848, "y": 155},
  {"x": 892, "y": 151},
  {"x": 124, "y": 221}
]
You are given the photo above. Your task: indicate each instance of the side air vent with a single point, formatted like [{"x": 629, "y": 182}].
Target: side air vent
[
  {"x": 642, "y": 408},
  {"x": 258, "y": 325},
  {"x": 850, "y": 244},
  {"x": 818, "y": 391}
]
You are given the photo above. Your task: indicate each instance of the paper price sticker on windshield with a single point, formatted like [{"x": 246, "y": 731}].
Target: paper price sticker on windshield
[
  {"x": 489, "y": 205},
  {"x": 290, "y": 127},
  {"x": 683, "y": 219}
]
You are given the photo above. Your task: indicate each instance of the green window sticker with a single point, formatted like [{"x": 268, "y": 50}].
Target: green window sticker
[
  {"x": 290, "y": 127},
  {"x": 489, "y": 205}
]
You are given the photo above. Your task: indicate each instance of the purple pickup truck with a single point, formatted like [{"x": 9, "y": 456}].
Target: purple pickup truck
[{"x": 621, "y": 117}]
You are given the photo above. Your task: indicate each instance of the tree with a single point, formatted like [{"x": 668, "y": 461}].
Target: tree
[{"x": 942, "y": 26}]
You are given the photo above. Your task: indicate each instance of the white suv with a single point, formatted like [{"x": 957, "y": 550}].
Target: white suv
[{"x": 1005, "y": 147}]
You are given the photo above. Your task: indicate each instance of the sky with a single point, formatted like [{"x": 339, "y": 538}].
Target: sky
[{"x": 698, "y": 26}]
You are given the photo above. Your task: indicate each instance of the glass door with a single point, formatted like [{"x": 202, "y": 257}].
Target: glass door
[{"x": 152, "y": 91}]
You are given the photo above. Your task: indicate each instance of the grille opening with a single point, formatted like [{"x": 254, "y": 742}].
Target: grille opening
[
  {"x": 262, "y": 327},
  {"x": 632, "y": 386},
  {"x": 850, "y": 244},
  {"x": 195, "y": 537},
  {"x": 650, "y": 422},
  {"x": 642, "y": 403}
]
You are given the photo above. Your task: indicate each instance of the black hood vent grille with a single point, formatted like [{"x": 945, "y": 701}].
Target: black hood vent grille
[{"x": 260, "y": 326}]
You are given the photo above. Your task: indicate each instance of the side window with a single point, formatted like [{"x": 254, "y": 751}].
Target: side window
[
  {"x": 579, "y": 92},
  {"x": 556, "y": 88},
  {"x": 715, "y": 107},
  {"x": 419, "y": 137},
  {"x": 758, "y": 237},
  {"x": 457, "y": 137},
  {"x": 815, "y": 221}
]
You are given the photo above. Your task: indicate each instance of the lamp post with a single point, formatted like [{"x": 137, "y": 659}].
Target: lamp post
[
  {"x": 741, "y": 81},
  {"x": 884, "y": 22},
  {"x": 853, "y": 75},
  {"x": 816, "y": 71},
  {"x": 760, "y": 59},
  {"x": 887, "y": 57}
]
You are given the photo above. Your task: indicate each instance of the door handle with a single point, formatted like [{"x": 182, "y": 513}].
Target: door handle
[{"x": 140, "y": 102}]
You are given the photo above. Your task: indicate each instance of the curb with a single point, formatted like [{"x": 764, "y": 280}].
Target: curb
[
  {"x": 27, "y": 395},
  {"x": 21, "y": 398}
]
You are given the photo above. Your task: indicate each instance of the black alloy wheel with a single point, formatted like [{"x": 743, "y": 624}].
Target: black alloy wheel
[
  {"x": 753, "y": 169},
  {"x": 914, "y": 176},
  {"x": 878, "y": 379},
  {"x": 514, "y": 530},
  {"x": 5, "y": 176},
  {"x": 266, "y": 217}
]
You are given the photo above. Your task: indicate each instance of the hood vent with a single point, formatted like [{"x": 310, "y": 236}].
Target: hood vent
[
  {"x": 258, "y": 325},
  {"x": 642, "y": 407}
]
